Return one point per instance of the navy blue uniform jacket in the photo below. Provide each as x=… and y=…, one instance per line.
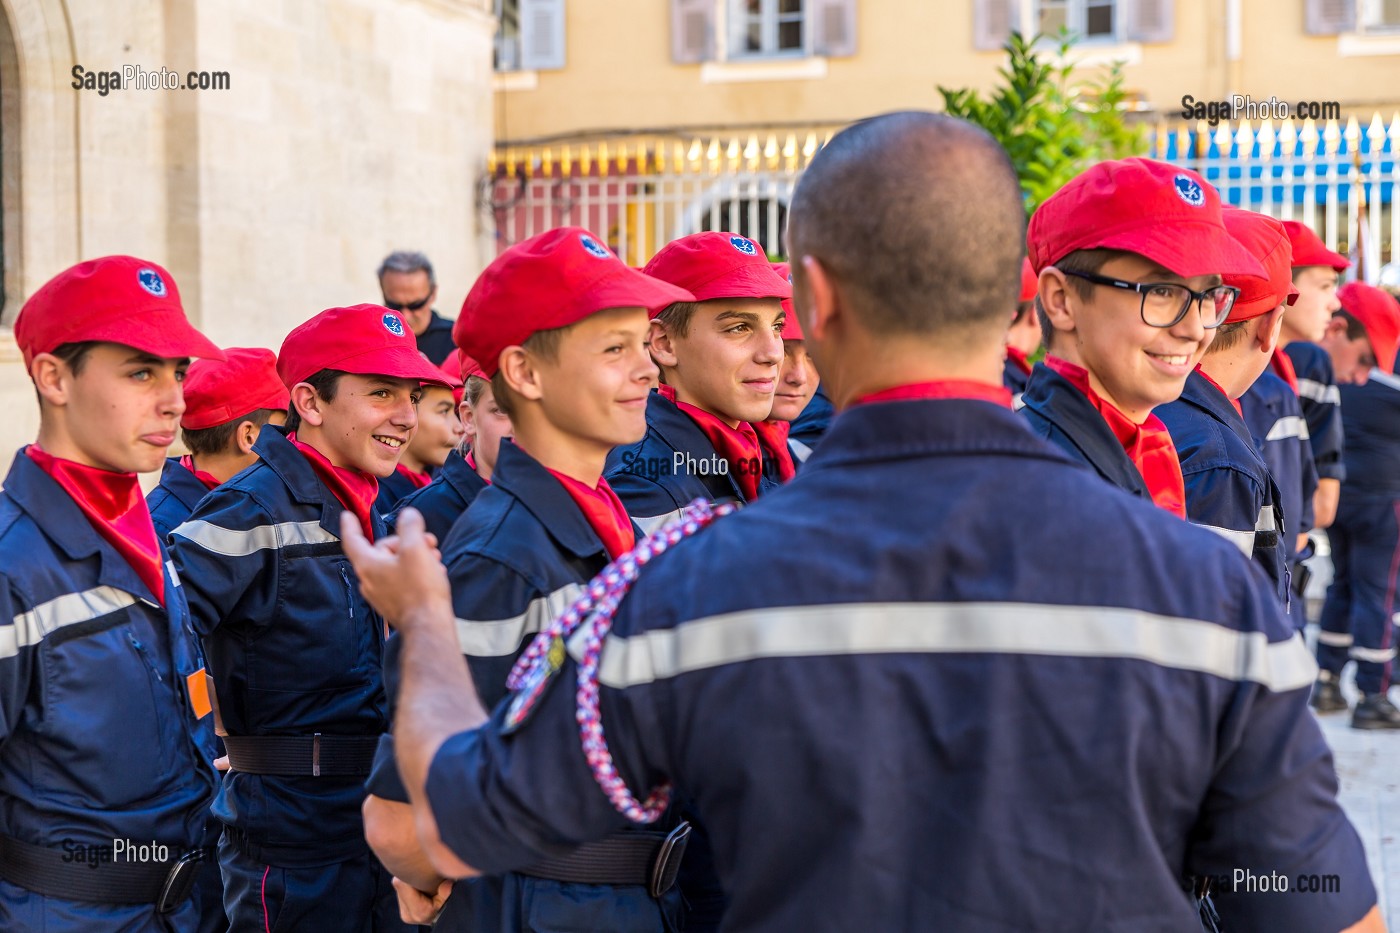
x=445, y=499
x=98, y=737
x=927, y=689
x=1280, y=433
x=1321, y=403
x=174, y=497
x=293, y=647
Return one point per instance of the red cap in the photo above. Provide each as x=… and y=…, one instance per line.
x=218, y=392
x=718, y=265
x=551, y=280
x=1030, y=282
x=1267, y=242
x=1165, y=213
x=792, y=330
x=1379, y=314
x=1309, y=250
x=369, y=340
x=115, y=299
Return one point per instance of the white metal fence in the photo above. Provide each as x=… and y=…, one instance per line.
x=641, y=193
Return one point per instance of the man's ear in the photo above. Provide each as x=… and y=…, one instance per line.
x=52, y=378
x=520, y=373
x=245, y=435
x=1059, y=306
x=661, y=345
x=308, y=404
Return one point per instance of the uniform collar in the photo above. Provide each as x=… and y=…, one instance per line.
x=177, y=480
x=521, y=476
x=295, y=472
x=458, y=474
x=1203, y=394
x=438, y=322
x=1054, y=398
x=55, y=513
x=681, y=433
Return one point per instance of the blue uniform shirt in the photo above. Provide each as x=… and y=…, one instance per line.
x=1057, y=411
x=1014, y=377
x=393, y=489
x=674, y=464
x=174, y=497
x=443, y=500
x=98, y=736
x=1317, y=394
x=1371, y=413
x=926, y=689
x=293, y=647
x=813, y=422
x=1280, y=433
x=1228, y=487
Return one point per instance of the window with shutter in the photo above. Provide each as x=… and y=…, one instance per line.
x=766, y=28
x=541, y=34
x=693, y=31
x=1091, y=20
x=992, y=23
x=833, y=27
x=1329, y=17
x=1150, y=20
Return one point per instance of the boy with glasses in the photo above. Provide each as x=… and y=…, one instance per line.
x=1130, y=256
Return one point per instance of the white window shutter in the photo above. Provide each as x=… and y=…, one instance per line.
x=832, y=25
x=541, y=34
x=993, y=22
x=1329, y=17
x=692, y=31
x=1148, y=20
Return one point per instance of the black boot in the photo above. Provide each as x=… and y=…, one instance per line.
x=1375, y=711
x=1327, y=694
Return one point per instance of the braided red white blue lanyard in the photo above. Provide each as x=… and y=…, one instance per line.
x=594, y=610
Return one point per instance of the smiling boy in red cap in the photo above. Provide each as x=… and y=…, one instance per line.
x=1130, y=256
x=1023, y=336
x=559, y=325
x=296, y=653
x=105, y=732
x=1357, y=618
x=797, y=383
x=719, y=357
x=226, y=404
x=1228, y=487
x=438, y=433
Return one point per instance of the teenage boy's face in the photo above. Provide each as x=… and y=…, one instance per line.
x=597, y=386
x=727, y=363
x=1307, y=318
x=1352, y=360
x=1135, y=366
x=368, y=423
x=121, y=412
x=485, y=425
x=797, y=382
x=439, y=428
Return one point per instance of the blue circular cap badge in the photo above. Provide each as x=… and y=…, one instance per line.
x=152, y=282
x=1190, y=190
x=393, y=325
x=594, y=247
x=742, y=245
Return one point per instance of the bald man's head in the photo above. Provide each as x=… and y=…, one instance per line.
x=919, y=219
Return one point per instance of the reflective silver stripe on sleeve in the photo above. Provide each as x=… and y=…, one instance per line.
x=965, y=628
x=1319, y=392
x=170, y=569
x=1374, y=655
x=1335, y=639
x=1266, y=520
x=648, y=525
x=1288, y=426
x=1385, y=378
x=32, y=627
x=500, y=637
x=1244, y=540
x=799, y=450
x=240, y=542
x=1018, y=401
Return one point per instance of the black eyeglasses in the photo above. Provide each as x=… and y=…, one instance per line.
x=408, y=306
x=1164, y=304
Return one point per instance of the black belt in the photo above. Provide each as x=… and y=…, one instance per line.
x=646, y=858
x=302, y=755
x=95, y=874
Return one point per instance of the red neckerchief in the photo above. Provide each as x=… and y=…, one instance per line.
x=1282, y=365
x=1149, y=445
x=471, y=462
x=1018, y=356
x=941, y=388
x=117, y=511
x=739, y=446
x=773, y=438
x=355, y=490
x=604, y=511
x=206, y=478
x=1235, y=402
x=419, y=480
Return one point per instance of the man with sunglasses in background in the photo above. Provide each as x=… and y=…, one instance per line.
x=409, y=287
x=1130, y=256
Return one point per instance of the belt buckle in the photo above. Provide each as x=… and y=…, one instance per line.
x=180, y=882
x=668, y=860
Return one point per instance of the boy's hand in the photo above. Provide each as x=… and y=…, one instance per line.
x=419, y=907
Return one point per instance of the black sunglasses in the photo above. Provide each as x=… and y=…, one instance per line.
x=408, y=306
